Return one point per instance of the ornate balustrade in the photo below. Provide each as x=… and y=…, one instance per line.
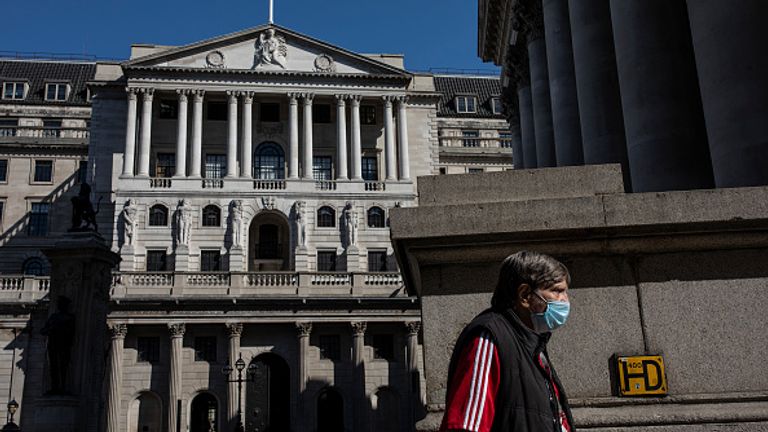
x=44, y=132
x=23, y=288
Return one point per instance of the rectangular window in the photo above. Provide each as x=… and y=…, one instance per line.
x=326, y=261
x=215, y=165
x=496, y=105
x=322, y=167
x=168, y=109
x=52, y=128
x=82, y=171
x=270, y=112
x=3, y=170
x=368, y=114
x=156, y=260
x=377, y=261
x=383, y=347
x=13, y=90
x=321, y=113
x=205, y=349
x=370, y=168
x=148, y=349
x=470, y=138
x=505, y=139
x=8, y=127
x=38, y=220
x=56, y=92
x=217, y=111
x=43, y=171
x=330, y=347
x=165, y=165
x=466, y=104
x=210, y=260
x=475, y=170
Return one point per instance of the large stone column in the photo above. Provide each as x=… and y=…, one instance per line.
x=234, y=331
x=729, y=41
x=303, y=330
x=130, y=135
x=360, y=398
x=307, y=168
x=341, y=137
x=246, y=143
x=145, y=142
x=520, y=73
x=389, y=139
x=412, y=363
x=356, y=156
x=664, y=124
x=174, y=380
x=293, y=128
x=562, y=83
x=232, y=134
x=197, y=135
x=118, y=332
x=402, y=137
x=597, y=85
x=181, y=135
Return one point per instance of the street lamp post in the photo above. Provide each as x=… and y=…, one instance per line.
x=11, y=426
x=239, y=366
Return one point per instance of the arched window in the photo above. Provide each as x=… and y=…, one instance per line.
x=269, y=162
x=326, y=217
x=33, y=267
x=204, y=415
x=158, y=215
x=330, y=411
x=211, y=216
x=376, y=217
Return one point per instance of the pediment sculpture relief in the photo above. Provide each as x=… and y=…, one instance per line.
x=270, y=50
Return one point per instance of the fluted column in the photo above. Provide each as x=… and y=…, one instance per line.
x=308, y=135
x=518, y=62
x=130, y=135
x=562, y=83
x=303, y=330
x=246, y=145
x=234, y=331
x=358, y=347
x=412, y=363
x=181, y=135
x=197, y=135
x=174, y=391
x=402, y=138
x=118, y=332
x=293, y=150
x=389, y=139
x=357, y=172
x=341, y=137
x=146, y=131
x=232, y=134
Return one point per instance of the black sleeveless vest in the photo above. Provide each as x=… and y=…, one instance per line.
x=525, y=400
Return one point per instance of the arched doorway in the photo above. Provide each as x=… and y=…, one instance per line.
x=145, y=413
x=330, y=411
x=204, y=413
x=387, y=417
x=269, y=237
x=268, y=399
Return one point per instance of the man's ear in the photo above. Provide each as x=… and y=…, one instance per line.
x=523, y=293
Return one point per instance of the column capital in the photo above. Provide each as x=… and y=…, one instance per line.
x=234, y=329
x=359, y=327
x=198, y=95
x=233, y=94
x=147, y=92
x=293, y=96
x=307, y=98
x=341, y=98
x=355, y=99
x=403, y=99
x=388, y=100
x=177, y=329
x=118, y=330
x=413, y=327
x=247, y=96
x=183, y=94
x=303, y=329
x=529, y=19
x=131, y=91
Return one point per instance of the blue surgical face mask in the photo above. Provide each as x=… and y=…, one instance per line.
x=553, y=316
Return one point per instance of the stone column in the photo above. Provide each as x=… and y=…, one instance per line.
x=412, y=363
x=232, y=134
x=663, y=119
x=518, y=59
x=341, y=137
x=562, y=83
x=174, y=390
x=118, y=332
x=234, y=331
x=307, y=168
x=729, y=43
x=303, y=330
x=181, y=135
x=389, y=139
x=360, y=398
x=246, y=145
x=356, y=152
x=293, y=151
x=145, y=142
x=597, y=85
x=402, y=138
x=130, y=135
x=197, y=135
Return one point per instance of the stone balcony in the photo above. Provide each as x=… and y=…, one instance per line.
x=43, y=135
x=277, y=186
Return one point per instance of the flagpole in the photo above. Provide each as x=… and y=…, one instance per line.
x=271, y=13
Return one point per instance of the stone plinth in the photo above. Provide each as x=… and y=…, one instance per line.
x=182, y=258
x=237, y=259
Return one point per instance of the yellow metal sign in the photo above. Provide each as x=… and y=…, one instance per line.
x=641, y=375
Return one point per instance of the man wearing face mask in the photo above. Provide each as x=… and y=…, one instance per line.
x=500, y=375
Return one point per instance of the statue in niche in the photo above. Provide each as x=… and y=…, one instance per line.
x=183, y=223
x=301, y=224
x=237, y=223
x=270, y=50
x=350, y=222
x=129, y=223
x=60, y=330
x=83, y=214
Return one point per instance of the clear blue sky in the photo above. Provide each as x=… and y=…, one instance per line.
x=431, y=33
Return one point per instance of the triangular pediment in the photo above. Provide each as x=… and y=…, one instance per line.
x=267, y=48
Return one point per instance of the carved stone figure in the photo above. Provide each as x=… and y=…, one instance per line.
x=129, y=223
x=82, y=210
x=183, y=223
x=301, y=224
x=268, y=202
x=271, y=50
x=350, y=222
x=60, y=330
x=237, y=223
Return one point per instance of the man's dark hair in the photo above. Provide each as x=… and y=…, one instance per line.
x=537, y=270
